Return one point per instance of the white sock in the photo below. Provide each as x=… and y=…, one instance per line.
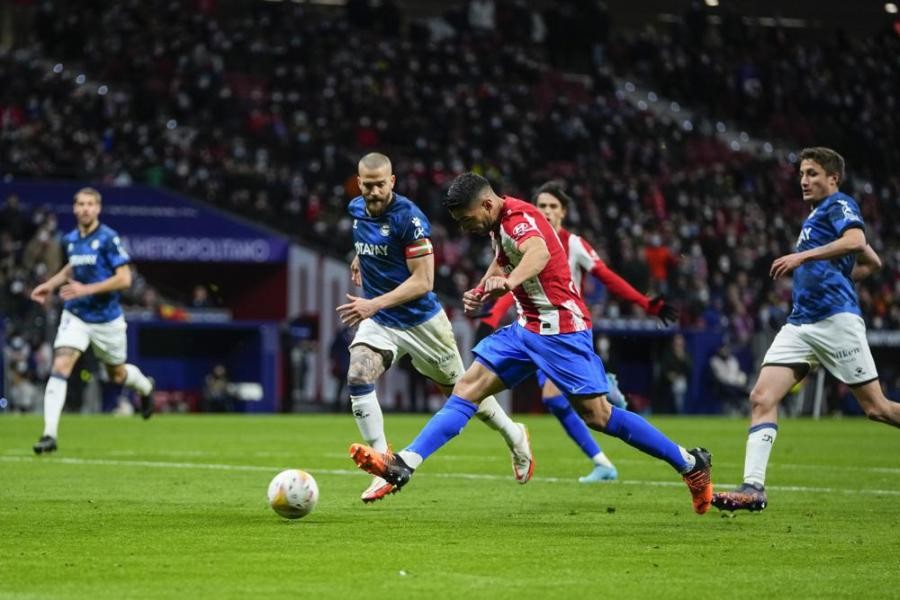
x=496, y=418
x=369, y=419
x=54, y=400
x=412, y=459
x=759, y=447
x=137, y=381
x=691, y=461
x=602, y=460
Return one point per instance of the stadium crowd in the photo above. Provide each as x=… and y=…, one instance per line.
x=264, y=111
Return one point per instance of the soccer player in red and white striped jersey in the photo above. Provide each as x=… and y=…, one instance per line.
x=553, y=202
x=553, y=334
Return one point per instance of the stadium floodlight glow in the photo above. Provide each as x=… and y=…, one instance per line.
x=712, y=3
x=891, y=8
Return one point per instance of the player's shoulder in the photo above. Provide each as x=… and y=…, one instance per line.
x=107, y=232
x=71, y=236
x=843, y=198
x=404, y=209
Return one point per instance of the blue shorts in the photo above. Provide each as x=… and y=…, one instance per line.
x=513, y=353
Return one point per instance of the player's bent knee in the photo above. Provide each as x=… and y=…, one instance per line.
x=762, y=398
x=117, y=374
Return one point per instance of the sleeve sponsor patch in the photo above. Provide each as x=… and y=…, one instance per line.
x=421, y=247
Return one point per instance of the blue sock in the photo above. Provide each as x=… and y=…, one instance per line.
x=445, y=425
x=573, y=424
x=635, y=431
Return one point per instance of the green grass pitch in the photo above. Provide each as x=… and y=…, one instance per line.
x=175, y=508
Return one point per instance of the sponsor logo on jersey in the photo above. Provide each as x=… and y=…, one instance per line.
x=804, y=236
x=80, y=260
x=364, y=249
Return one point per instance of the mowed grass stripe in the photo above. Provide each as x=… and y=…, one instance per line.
x=466, y=476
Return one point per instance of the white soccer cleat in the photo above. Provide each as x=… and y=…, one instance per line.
x=378, y=489
x=522, y=457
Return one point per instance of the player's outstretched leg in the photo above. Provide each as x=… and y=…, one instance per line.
x=575, y=427
x=398, y=469
x=695, y=465
x=514, y=434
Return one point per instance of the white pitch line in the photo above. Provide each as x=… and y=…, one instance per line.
x=469, y=476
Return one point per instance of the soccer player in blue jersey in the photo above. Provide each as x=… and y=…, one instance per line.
x=96, y=270
x=401, y=315
x=824, y=328
x=553, y=334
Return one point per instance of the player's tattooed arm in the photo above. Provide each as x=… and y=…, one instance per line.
x=367, y=364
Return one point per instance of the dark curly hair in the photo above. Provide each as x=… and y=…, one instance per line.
x=464, y=190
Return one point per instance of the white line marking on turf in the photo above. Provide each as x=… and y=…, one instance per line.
x=471, y=476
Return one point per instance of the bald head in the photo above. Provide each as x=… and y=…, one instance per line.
x=375, y=161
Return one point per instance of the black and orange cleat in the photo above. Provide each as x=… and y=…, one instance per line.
x=746, y=497
x=699, y=481
x=386, y=465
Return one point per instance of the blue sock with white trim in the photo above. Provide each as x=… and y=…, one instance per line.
x=445, y=425
x=636, y=431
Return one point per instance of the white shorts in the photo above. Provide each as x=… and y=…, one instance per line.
x=431, y=346
x=838, y=343
x=108, y=339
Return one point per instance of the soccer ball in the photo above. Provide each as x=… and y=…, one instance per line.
x=293, y=493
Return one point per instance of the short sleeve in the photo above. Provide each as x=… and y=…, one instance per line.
x=415, y=234
x=844, y=214
x=115, y=252
x=520, y=226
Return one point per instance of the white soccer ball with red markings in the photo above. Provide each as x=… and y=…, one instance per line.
x=293, y=493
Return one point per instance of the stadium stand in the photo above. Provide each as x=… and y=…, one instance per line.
x=263, y=111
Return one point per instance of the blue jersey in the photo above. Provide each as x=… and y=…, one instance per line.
x=383, y=245
x=823, y=287
x=95, y=258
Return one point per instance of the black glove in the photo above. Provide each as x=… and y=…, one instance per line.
x=666, y=312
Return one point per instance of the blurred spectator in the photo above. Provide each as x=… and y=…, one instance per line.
x=339, y=354
x=216, y=395
x=674, y=374
x=23, y=394
x=730, y=382
x=200, y=297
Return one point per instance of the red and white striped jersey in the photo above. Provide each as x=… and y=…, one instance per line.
x=548, y=303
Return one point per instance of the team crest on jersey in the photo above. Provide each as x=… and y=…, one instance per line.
x=70, y=248
x=95, y=244
x=355, y=223
x=385, y=230
x=520, y=229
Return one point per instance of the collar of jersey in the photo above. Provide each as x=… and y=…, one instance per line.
x=90, y=235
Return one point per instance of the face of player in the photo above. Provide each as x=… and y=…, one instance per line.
x=377, y=186
x=87, y=210
x=474, y=219
x=814, y=183
x=552, y=208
